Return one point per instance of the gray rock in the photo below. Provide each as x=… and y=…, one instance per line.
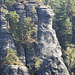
x=6, y=39
x=20, y=9
x=3, y=24
x=19, y=6
x=15, y=70
x=21, y=54
x=49, y=50
x=30, y=12
x=31, y=57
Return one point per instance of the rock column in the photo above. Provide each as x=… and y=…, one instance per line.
x=49, y=50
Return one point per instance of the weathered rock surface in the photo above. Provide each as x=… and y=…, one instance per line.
x=21, y=54
x=31, y=11
x=20, y=9
x=15, y=70
x=4, y=12
x=49, y=50
x=6, y=39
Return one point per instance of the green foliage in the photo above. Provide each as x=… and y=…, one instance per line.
x=31, y=70
x=37, y=63
x=67, y=27
x=37, y=66
x=33, y=10
x=69, y=56
x=71, y=8
x=7, y=1
x=13, y=17
x=66, y=32
x=38, y=1
x=62, y=22
x=26, y=29
x=11, y=58
x=3, y=10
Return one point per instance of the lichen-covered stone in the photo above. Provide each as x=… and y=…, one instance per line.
x=49, y=50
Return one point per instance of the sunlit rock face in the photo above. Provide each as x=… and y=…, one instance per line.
x=49, y=50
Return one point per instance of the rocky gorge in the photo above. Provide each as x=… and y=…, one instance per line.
x=48, y=48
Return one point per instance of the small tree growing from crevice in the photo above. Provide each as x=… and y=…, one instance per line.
x=11, y=58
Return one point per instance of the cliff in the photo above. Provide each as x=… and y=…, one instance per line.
x=7, y=42
x=46, y=53
x=49, y=50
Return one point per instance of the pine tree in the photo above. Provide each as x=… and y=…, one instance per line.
x=66, y=32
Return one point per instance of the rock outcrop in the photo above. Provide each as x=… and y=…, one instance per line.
x=49, y=50
x=20, y=9
x=15, y=70
x=31, y=11
x=6, y=39
x=21, y=54
x=26, y=10
x=7, y=42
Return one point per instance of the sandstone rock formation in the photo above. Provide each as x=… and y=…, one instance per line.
x=21, y=54
x=31, y=11
x=15, y=70
x=20, y=9
x=49, y=50
x=7, y=42
x=6, y=39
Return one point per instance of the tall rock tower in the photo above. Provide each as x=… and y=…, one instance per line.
x=49, y=50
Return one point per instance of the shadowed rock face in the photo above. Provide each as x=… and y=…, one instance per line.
x=6, y=39
x=19, y=8
x=6, y=42
x=49, y=50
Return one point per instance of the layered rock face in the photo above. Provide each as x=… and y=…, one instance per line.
x=7, y=42
x=31, y=11
x=26, y=10
x=20, y=9
x=49, y=50
x=6, y=39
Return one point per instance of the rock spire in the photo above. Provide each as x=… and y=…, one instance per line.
x=49, y=50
